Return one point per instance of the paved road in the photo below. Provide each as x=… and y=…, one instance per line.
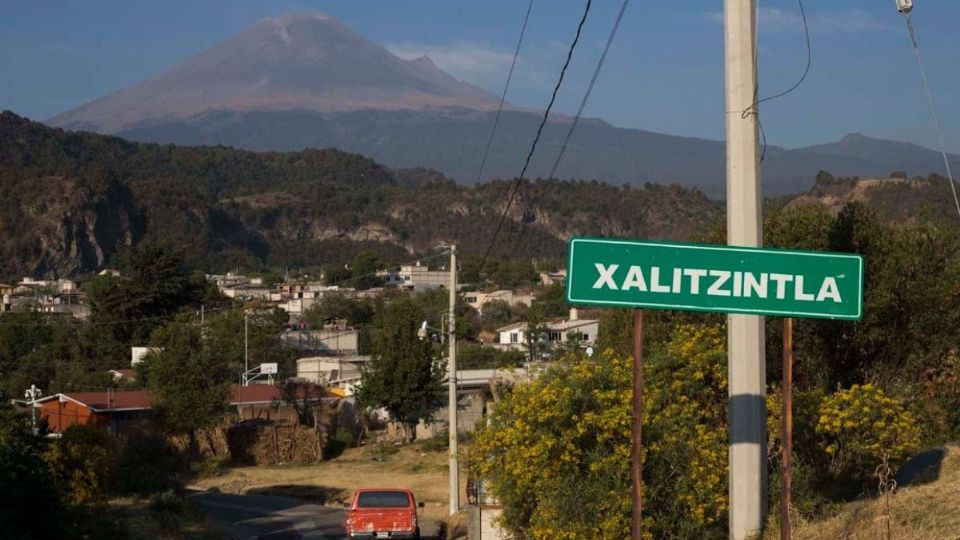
x=258, y=517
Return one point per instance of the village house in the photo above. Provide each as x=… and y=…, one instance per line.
x=338, y=373
x=334, y=338
x=61, y=296
x=551, y=278
x=416, y=277
x=119, y=410
x=28, y=285
x=476, y=391
x=477, y=300
x=514, y=336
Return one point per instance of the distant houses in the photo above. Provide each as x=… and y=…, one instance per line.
x=57, y=296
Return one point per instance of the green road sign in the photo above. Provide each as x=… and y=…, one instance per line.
x=692, y=277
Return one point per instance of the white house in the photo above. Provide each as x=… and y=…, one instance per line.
x=477, y=300
x=416, y=276
x=514, y=336
x=333, y=372
x=549, y=278
x=138, y=353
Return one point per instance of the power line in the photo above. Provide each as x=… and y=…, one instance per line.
x=753, y=109
x=908, y=17
x=586, y=95
x=503, y=96
x=536, y=139
x=806, y=69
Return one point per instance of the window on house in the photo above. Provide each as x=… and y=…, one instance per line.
x=514, y=337
x=554, y=336
x=585, y=337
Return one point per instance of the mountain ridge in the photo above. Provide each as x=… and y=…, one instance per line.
x=307, y=81
x=309, y=61
x=72, y=202
x=447, y=140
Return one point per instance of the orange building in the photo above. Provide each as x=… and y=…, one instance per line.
x=93, y=408
x=114, y=410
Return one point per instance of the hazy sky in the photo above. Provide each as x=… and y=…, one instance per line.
x=664, y=73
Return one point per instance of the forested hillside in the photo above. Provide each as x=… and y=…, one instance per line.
x=72, y=202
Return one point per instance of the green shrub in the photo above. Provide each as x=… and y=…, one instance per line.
x=384, y=450
x=147, y=464
x=31, y=505
x=861, y=427
x=170, y=510
x=205, y=468
x=83, y=461
x=341, y=439
x=169, y=502
x=440, y=442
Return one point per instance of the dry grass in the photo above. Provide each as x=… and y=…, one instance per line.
x=922, y=512
x=333, y=482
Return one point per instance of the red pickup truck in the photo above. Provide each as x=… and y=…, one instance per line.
x=383, y=513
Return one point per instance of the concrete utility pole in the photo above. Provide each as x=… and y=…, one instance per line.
x=452, y=377
x=745, y=360
x=246, y=345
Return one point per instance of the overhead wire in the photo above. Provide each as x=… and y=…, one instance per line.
x=536, y=139
x=586, y=95
x=908, y=17
x=754, y=109
x=496, y=120
x=573, y=125
x=503, y=95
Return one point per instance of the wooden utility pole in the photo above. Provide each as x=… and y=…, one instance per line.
x=637, y=453
x=745, y=356
x=786, y=440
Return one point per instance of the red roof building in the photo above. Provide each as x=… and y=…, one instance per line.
x=113, y=409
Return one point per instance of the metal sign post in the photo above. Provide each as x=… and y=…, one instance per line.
x=786, y=440
x=637, y=451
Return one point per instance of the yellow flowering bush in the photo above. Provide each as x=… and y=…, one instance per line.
x=862, y=425
x=82, y=461
x=556, y=450
x=686, y=465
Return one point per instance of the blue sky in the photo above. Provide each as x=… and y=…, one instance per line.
x=664, y=73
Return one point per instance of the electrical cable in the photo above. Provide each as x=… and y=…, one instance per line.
x=586, y=95
x=806, y=69
x=536, y=139
x=753, y=109
x=503, y=96
x=908, y=17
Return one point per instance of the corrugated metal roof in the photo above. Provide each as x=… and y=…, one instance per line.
x=140, y=399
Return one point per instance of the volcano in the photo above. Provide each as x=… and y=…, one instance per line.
x=307, y=81
x=293, y=62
